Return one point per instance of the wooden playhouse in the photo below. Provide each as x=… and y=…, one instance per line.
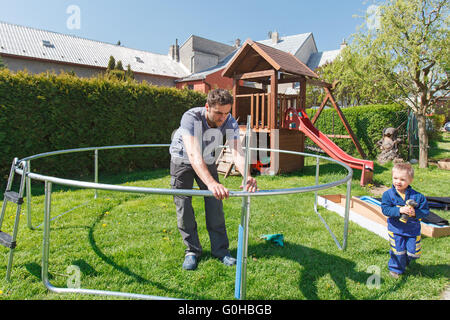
x=258, y=72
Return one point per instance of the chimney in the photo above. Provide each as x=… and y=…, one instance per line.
x=237, y=43
x=343, y=44
x=174, y=51
x=275, y=37
x=177, y=51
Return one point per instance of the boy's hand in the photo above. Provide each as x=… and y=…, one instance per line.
x=411, y=212
x=408, y=210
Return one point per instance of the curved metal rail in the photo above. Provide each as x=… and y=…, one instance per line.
x=23, y=167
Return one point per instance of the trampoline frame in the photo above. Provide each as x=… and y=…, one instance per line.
x=23, y=166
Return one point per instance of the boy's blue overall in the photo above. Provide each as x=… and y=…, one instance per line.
x=404, y=237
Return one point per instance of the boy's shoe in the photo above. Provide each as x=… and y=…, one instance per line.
x=394, y=275
x=228, y=261
x=190, y=262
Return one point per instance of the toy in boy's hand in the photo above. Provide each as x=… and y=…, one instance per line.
x=410, y=203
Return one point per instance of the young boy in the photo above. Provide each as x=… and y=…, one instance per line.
x=404, y=219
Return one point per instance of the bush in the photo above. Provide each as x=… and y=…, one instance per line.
x=367, y=122
x=48, y=112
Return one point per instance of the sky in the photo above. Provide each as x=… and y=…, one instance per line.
x=153, y=25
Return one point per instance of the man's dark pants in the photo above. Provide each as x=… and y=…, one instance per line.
x=182, y=177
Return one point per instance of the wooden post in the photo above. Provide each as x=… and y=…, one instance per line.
x=319, y=111
x=235, y=85
x=273, y=99
x=346, y=125
x=274, y=132
x=303, y=94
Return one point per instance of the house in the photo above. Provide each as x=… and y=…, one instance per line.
x=302, y=46
x=197, y=64
x=41, y=51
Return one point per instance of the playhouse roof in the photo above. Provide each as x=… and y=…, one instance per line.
x=260, y=57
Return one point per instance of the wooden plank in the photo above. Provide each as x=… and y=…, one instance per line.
x=253, y=75
x=252, y=116
x=319, y=83
x=262, y=109
x=257, y=109
x=227, y=172
x=338, y=136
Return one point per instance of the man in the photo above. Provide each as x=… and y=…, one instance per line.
x=192, y=158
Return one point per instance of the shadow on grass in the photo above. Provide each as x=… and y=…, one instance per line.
x=127, y=271
x=316, y=264
x=414, y=270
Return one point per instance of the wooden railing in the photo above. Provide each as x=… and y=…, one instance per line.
x=258, y=105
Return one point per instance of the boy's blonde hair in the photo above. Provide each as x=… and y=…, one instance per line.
x=404, y=167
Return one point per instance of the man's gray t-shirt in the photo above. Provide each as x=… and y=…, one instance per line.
x=194, y=123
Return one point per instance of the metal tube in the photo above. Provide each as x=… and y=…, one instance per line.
x=48, y=180
x=96, y=171
x=16, y=227
x=245, y=215
x=317, y=183
x=347, y=213
x=182, y=192
x=46, y=255
x=28, y=191
x=46, y=236
x=245, y=251
x=54, y=289
x=8, y=187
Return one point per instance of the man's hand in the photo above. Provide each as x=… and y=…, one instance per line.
x=218, y=190
x=251, y=185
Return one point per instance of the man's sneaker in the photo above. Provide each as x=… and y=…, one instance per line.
x=190, y=262
x=228, y=261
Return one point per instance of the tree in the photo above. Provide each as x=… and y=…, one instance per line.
x=111, y=63
x=406, y=52
x=119, y=66
x=359, y=84
x=129, y=74
x=2, y=64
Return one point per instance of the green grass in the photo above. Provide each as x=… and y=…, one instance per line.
x=130, y=243
x=440, y=148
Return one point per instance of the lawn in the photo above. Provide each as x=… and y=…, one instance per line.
x=130, y=243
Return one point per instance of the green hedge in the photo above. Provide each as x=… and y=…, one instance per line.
x=48, y=112
x=367, y=122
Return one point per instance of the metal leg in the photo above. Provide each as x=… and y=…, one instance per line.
x=241, y=268
x=46, y=254
x=8, y=187
x=347, y=211
x=15, y=229
x=96, y=171
x=28, y=191
x=46, y=237
x=245, y=250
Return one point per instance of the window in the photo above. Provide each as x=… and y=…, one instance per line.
x=47, y=44
x=138, y=59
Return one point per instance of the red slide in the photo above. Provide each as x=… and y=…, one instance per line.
x=300, y=121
